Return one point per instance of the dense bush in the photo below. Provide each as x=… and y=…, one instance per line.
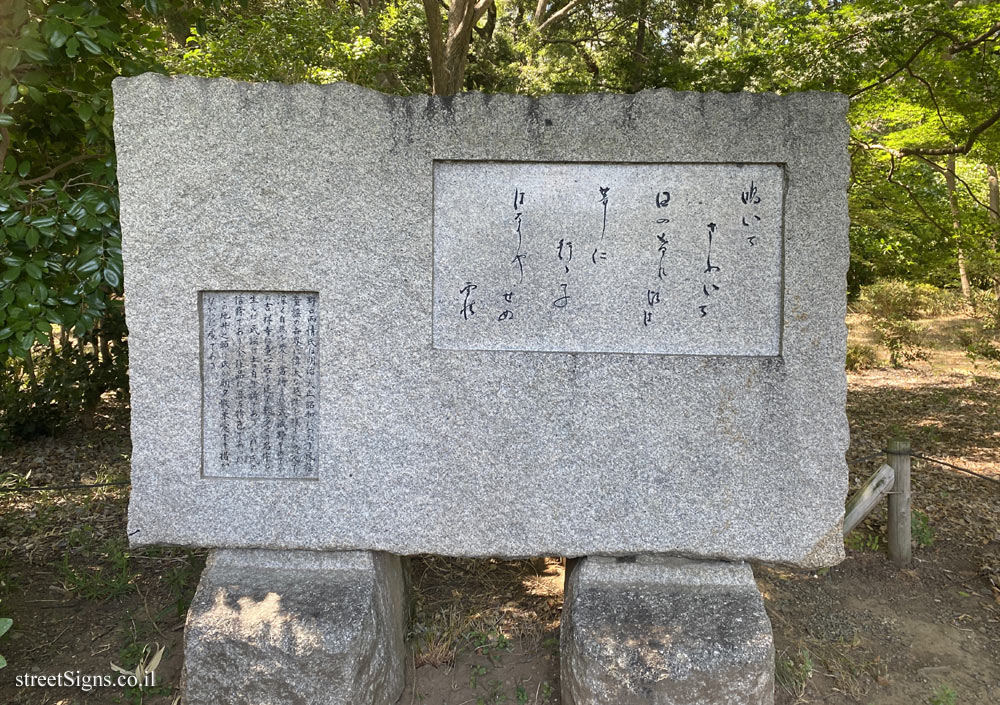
x=861, y=357
x=891, y=299
x=933, y=302
x=980, y=347
x=62, y=326
x=892, y=305
x=986, y=304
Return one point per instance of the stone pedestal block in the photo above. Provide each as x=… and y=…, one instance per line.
x=665, y=631
x=296, y=627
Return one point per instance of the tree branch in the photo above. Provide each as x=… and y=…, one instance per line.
x=916, y=201
x=893, y=154
x=957, y=148
x=923, y=45
x=57, y=168
x=985, y=36
x=941, y=170
x=539, y=11
x=460, y=21
x=482, y=7
x=4, y=144
x=930, y=92
x=558, y=15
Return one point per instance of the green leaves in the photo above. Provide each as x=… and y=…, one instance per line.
x=60, y=243
x=56, y=32
x=88, y=43
x=112, y=276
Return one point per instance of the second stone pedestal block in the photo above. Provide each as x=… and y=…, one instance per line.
x=665, y=631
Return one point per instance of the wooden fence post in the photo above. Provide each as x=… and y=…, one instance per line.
x=898, y=526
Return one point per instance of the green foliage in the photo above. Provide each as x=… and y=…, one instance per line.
x=794, y=672
x=490, y=644
x=476, y=671
x=944, y=694
x=920, y=528
x=980, y=347
x=311, y=41
x=986, y=304
x=861, y=357
x=922, y=75
x=902, y=339
x=60, y=242
x=891, y=305
x=934, y=302
x=5, y=624
x=863, y=541
x=891, y=299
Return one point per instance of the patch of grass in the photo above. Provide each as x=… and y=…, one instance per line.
x=182, y=580
x=863, y=540
x=920, y=528
x=479, y=604
x=944, y=694
x=490, y=644
x=146, y=659
x=106, y=575
x=793, y=672
x=436, y=636
x=476, y=671
x=853, y=668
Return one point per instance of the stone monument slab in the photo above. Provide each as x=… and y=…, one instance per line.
x=686, y=396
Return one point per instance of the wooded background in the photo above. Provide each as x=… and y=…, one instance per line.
x=923, y=77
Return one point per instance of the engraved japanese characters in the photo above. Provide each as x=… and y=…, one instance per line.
x=641, y=258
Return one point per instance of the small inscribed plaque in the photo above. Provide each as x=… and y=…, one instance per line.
x=682, y=259
x=260, y=384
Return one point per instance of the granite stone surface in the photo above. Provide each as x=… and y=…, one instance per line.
x=661, y=631
x=296, y=628
x=716, y=436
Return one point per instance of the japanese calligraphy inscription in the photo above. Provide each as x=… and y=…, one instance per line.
x=260, y=382
x=682, y=259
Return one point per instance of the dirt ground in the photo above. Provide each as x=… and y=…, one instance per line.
x=486, y=631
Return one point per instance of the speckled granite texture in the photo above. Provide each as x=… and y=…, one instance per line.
x=296, y=628
x=665, y=631
x=229, y=186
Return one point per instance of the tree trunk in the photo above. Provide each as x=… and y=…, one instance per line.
x=639, y=49
x=449, y=49
x=963, y=275
x=994, y=186
x=29, y=369
x=105, y=348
